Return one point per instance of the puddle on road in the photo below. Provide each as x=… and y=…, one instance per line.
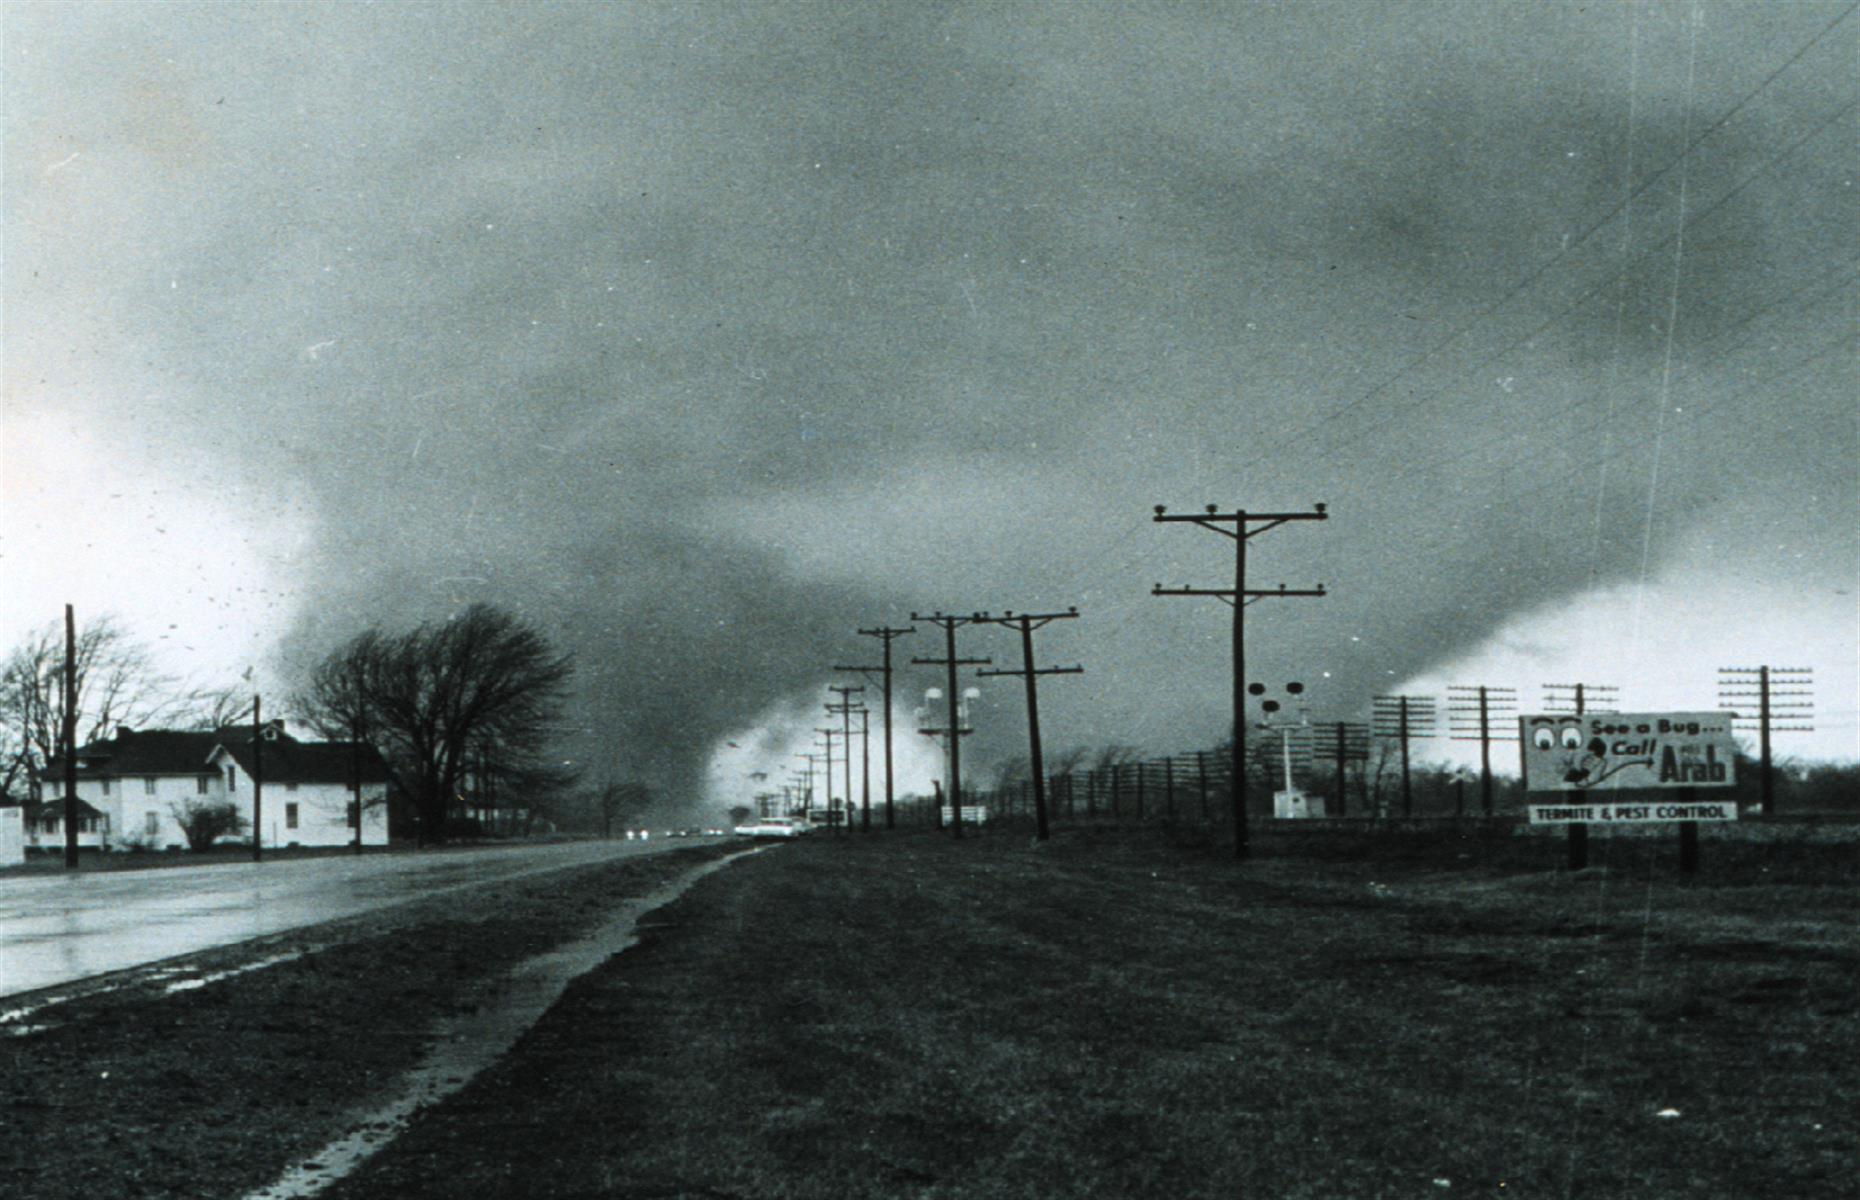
x=188, y=985
x=470, y=1042
x=13, y=1021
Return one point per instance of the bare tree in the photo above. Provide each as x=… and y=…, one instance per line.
x=117, y=684
x=1011, y=772
x=482, y=692
x=1067, y=761
x=1384, y=757
x=622, y=800
x=1114, y=754
x=215, y=708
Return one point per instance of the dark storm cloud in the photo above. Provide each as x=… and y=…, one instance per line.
x=707, y=334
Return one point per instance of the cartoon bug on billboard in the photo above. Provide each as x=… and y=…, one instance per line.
x=1611, y=751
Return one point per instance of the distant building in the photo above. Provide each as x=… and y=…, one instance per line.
x=131, y=787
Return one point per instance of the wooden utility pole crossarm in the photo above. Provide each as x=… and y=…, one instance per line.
x=1027, y=623
x=1241, y=526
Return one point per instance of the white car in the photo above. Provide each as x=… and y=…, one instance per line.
x=773, y=827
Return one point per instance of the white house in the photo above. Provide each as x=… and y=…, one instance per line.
x=309, y=796
x=132, y=788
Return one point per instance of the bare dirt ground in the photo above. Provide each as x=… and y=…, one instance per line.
x=1114, y=1014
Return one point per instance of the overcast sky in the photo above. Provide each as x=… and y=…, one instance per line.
x=705, y=334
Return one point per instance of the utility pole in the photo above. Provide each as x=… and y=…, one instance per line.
x=807, y=780
x=829, y=734
x=824, y=761
x=1238, y=597
x=1778, y=692
x=865, y=769
x=1027, y=623
x=1469, y=714
x=950, y=662
x=355, y=776
x=882, y=673
x=69, y=737
x=258, y=783
x=845, y=709
x=1578, y=698
x=886, y=635
x=1404, y=718
x=1351, y=744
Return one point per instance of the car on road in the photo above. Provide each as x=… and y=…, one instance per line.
x=773, y=827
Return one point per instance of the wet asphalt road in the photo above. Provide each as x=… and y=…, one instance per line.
x=61, y=928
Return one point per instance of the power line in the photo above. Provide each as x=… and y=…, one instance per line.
x=1542, y=269
x=1549, y=417
x=1614, y=275
x=1699, y=413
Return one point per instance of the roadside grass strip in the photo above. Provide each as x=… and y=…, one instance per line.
x=903, y=1016
x=465, y=1043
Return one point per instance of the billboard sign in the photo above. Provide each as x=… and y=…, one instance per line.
x=1603, y=752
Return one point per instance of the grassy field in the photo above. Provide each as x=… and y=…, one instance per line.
x=1117, y=1014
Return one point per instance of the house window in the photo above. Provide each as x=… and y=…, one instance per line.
x=201, y=784
x=290, y=815
x=51, y=824
x=232, y=778
x=148, y=785
x=106, y=786
x=151, y=823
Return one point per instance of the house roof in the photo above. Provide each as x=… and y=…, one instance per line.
x=56, y=808
x=190, y=752
x=287, y=760
x=143, y=752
